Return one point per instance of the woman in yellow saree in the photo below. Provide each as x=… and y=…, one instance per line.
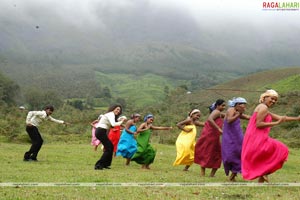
x=185, y=143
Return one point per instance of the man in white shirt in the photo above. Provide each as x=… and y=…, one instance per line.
x=33, y=119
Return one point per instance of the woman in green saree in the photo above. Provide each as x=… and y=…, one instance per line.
x=145, y=153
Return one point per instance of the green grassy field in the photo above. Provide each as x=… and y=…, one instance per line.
x=142, y=90
x=67, y=172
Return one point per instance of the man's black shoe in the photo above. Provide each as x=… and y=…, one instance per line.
x=98, y=167
x=30, y=160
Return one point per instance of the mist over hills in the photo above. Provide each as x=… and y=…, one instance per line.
x=140, y=37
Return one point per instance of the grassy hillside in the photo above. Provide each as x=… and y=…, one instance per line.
x=288, y=84
x=170, y=110
x=149, y=89
x=80, y=81
x=140, y=90
x=283, y=80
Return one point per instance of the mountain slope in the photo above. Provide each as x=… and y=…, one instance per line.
x=285, y=81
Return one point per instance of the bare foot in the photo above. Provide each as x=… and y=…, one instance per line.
x=232, y=177
x=263, y=179
x=186, y=168
x=266, y=178
x=213, y=172
x=202, y=172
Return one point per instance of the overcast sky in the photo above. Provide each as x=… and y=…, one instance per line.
x=107, y=21
x=114, y=27
x=94, y=12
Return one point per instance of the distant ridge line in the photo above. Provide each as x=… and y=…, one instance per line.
x=238, y=90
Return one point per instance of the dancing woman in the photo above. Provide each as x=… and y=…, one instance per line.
x=261, y=154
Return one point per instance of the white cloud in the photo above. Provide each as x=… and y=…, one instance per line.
x=98, y=14
x=80, y=12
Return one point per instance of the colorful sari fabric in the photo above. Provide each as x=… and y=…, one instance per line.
x=185, y=146
x=114, y=136
x=127, y=145
x=232, y=140
x=261, y=154
x=95, y=141
x=145, y=153
x=208, y=147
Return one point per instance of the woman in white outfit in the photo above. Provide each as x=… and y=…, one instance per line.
x=107, y=121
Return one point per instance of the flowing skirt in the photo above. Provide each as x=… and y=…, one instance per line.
x=145, y=153
x=208, y=146
x=127, y=145
x=114, y=136
x=185, y=146
x=232, y=140
x=261, y=154
x=95, y=141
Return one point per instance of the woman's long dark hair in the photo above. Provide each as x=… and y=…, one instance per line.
x=112, y=107
x=215, y=105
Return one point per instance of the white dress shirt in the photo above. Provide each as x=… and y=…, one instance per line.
x=36, y=117
x=107, y=121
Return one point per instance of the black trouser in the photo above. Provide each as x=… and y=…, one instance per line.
x=36, y=140
x=106, y=158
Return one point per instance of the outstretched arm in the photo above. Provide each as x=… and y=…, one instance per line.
x=232, y=115
x=143, y=127
x=93, y=124
x=262, y=112
x=286, y=118
x=128, y=124
x=161, y=127
x=212, y=117
x=244, y=116
x=198, y=123
x=181, y=125
x=57, y=121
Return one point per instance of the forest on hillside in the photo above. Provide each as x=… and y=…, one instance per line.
x=173, y=108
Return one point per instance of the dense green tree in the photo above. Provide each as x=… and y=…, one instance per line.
x=9, y=90
x=122, y=102
x=37, y=99
x=90, y=101
x=78, y=104
x=166, y=90
x=185, y=87
x=106, y=92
